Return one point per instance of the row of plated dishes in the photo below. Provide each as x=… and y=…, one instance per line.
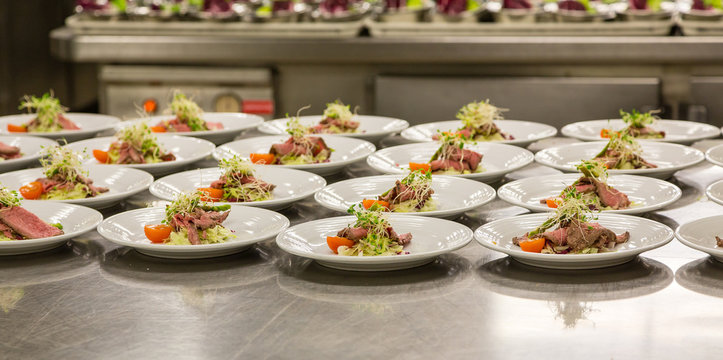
x=200, y=221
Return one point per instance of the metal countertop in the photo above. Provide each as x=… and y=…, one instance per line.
x=90, y=299
x=70, y=45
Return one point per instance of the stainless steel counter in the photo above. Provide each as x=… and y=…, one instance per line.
x=91, y=299
x=70, y=45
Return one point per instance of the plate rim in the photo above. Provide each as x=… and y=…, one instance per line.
x=271, y=202
x=184, y=248
x=572, y=258
x=161, y=165
x=374, y=260
x=708, y=192
x=257, y=121
x=219, y=152
x=566, y=131
x=88, y=201
x=485, y=174
x=710, y=158
x=678, y=193
x=403, y=125
x=112, y=121
x=13, y=245
x=711, y=251
x=701, y=157
x=434, y=213
x=510, y=142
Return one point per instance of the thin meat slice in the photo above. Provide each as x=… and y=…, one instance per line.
x=66, y=123
x=353, y=234
x=27, y=224
x=611, y=197
x=9, y=151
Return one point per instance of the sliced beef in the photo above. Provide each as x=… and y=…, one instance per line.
x=309, y=145
x=610, y=196
x=180, y=127
x=457, y=159
x=401, y=193
x=26, y=223
x=402, y=239
x=645, y=131
x=557, y=236
x=8, y=232
x=214, y=125
x=351, y=233
x=66, y=123
x=583, y=235
x=9, y=151
x=442, y=165
x=199, y=220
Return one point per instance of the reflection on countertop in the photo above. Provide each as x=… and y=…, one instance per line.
x=704, y=276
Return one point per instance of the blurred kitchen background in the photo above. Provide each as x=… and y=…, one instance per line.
x=545, y=61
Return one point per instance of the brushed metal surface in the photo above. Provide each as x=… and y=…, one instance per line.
x=555, y=101
x=68, y=45
x=91, y=300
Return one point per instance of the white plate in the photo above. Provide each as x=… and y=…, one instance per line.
x=187, y=150
x=668, y=157
x=250, y=225
x=233, y=125
x=90, y=125
x=371, y=128
x=453, y=195
x=715, y=155
x=525, y=132
x=291, y=185
x=122, y=183
x=497, y=160
x=677, y=131
x=645, y=193
x=645, y=235
x=76, y=220
x=714, y=192
x=346, y=151
x=700, y=235
x=30, y=149
x=430, y=237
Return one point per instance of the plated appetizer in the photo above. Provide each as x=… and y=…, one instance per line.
x=188, y=117
x=574, y=231
x=337, y=119
x=49, y=116
x=638, y=126
x=238, y=183
x=191, y=221
x=452, y=158
x=478, y=122
x=370, y=235
x=623, y=152
x=411, y=194
x=593, y=189
x=299, y=149
x=8, y=152
x=64, y=178
x=17, y=223
x=134, y=145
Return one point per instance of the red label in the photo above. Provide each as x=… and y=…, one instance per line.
x=257, y=106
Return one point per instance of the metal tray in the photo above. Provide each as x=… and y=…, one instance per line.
x=637, y=28
x=235, y=29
